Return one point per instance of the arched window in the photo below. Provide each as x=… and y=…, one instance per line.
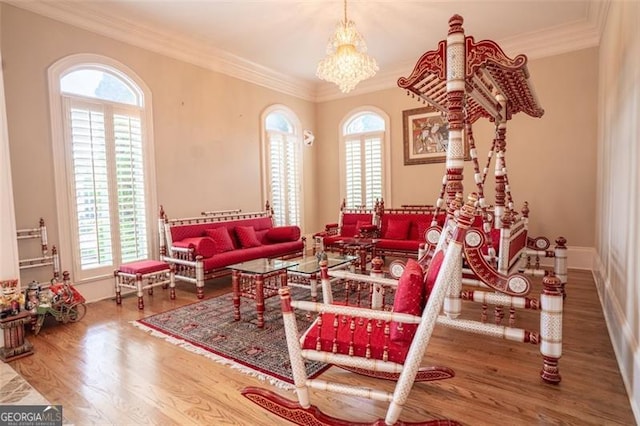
x=282, y=159
x=364, y=157
x=104, y=174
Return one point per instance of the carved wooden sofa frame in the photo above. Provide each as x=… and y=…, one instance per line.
x=192, y=267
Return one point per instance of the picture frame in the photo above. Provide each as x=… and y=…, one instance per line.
x=426, y=136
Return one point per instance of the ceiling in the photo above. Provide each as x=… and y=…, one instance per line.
x=278, y=43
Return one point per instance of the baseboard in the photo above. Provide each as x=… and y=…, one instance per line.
x=625, y=343
x=577, y=258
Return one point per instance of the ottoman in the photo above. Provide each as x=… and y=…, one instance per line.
x=144, y=274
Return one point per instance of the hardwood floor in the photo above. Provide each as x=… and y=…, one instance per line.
x=105, y=371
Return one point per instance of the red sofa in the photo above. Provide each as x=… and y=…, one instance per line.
x=203, y=247
x=398, y=232
x=352, y=222
x=402, y=230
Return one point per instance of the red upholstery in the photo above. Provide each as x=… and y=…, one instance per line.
x=392, y=227
x=418, y=229
x=519, y=243
x=280, y=234
x=180, y=232
x=143, y=267
x=350, y=222
x=221, y=238
x=397, y=350
x=409, y=299
x=222, y=260
x=403, y=245
x=432, y=272
x=332, y=239
x=397, y=230
x=418, y=222
x=362, y=224
x=203, y=246
x=247, y=236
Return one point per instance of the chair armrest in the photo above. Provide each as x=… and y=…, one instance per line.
x=358, y=312
x=178, y=261
x=182, y=253
x=331, y=229
x=182, y=249
x=352, y=276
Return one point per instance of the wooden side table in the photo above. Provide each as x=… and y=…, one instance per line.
x=15, y=344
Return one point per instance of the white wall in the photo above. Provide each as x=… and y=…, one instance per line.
x=617, y=269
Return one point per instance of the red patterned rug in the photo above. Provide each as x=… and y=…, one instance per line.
x=207, y=328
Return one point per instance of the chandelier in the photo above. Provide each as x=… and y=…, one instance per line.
x=347, y=62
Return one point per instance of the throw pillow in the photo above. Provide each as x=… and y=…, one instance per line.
x=409, y=299
x=203, y=246
x=281, y=234
x=432, y=272
x=397, y=229
x=247, y=236
x=221, y=238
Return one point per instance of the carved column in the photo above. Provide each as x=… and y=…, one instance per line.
x=456, y=64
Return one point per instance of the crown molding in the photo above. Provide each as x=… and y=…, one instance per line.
x=549, y=42
x=552, y=41
x=190, y=50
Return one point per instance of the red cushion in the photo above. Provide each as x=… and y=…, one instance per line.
x=203, y=246
x=247, y=236
x=280, y=234
x=350, y=222
x=143, y=267
x=362, y=224
x=221, y=238
x=402, y=245
x=432, y=272
x=409, y=299
x=375, y=343
x=397, y=229
x=421, y=228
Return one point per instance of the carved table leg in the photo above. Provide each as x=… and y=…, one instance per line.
x=235, y=283
x=260, y=299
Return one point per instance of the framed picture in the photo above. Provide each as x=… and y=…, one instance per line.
x=426, y=136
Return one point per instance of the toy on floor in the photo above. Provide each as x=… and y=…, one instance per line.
x=60, y=300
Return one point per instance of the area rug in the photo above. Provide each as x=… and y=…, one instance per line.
x=208, y=328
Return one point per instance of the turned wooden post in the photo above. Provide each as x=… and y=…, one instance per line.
x=551, y=304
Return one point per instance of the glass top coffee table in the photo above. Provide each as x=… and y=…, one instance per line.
x=363, y=248
x=306, y=272
x=259, y=280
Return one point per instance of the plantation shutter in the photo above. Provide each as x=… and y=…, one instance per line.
x=284, y=178
x=91, y=185
x=130, y=187
x=353, y=160
x=293, y=181
x=373, y=169
x=363, y=158
x=108, y=183
x=277, y=177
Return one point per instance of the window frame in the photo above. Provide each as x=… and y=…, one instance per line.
x=63, y=170
x=386, y=149
x=297, y=133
